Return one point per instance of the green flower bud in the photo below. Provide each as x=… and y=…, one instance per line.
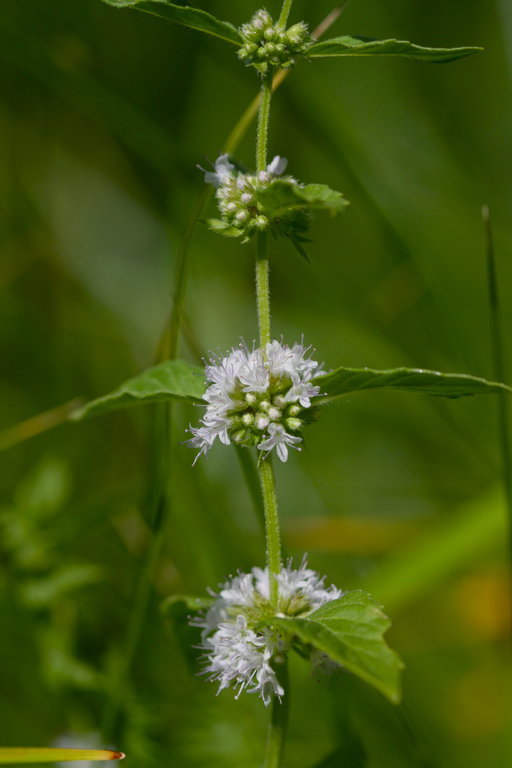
x=240, y=436
x=261, y=222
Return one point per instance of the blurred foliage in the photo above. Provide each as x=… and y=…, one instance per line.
x=104, y=115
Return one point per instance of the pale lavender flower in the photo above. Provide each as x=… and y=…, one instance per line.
x=280, y=440
x=258, y=398
x=239, y=653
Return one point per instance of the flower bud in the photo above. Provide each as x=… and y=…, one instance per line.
x=261, y=222
x=262, y=421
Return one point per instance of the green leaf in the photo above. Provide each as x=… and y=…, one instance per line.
x=356, y=45
x=223, y=228
x=284, y=195
x=344, y=380
x=350, y=631
x=185, y=15
x=171, y=380
x=13, y=755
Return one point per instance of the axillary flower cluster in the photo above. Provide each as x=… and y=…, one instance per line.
x=241, y=200
x=259, y=398
x=241, y=654
x=266, y=43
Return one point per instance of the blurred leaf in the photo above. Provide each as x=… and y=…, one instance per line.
x=171, y=380
x=59, y=664
x=45, y=490
x=450, y=545
x=283, y=195
x=343, y=380
x=12, y=755
x=356, y=45
x=184, y=14
x=350, y=632
x=43, y=592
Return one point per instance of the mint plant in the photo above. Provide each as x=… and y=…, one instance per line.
x=260, y=399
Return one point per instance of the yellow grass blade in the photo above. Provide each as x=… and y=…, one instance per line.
x=16, y=755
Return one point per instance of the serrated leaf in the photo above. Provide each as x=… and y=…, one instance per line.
x=17, y=755
x=183, y=14
x=356, y=45
x=343, y=380
x=171, y=380
x=283, y=196
x=223, y=228
x=350, y=631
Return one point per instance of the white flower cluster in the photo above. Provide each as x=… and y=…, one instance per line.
x=237, y=652
x=237, y=193
x=259, y=398
x=266, y=43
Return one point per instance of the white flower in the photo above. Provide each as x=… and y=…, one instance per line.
x=258, y=398
x=239, y=657
x=223, y=172
x=226, y=172
x=280, y=440
x=302, y=391
x=237, y=194
x=277, y=166
x=238, y=652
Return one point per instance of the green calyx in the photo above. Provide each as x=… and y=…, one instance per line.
x=267, y=45
x=261, y=609
x=255, y=411
x=264, y=202
x=244, y=212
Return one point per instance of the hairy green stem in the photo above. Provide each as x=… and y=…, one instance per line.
x=273, y=536
x=279, y=722
x=263, y=290
x=263, y=122
x=266, y=472
x=285, y=12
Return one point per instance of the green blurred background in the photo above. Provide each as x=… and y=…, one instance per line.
x=104, y=115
